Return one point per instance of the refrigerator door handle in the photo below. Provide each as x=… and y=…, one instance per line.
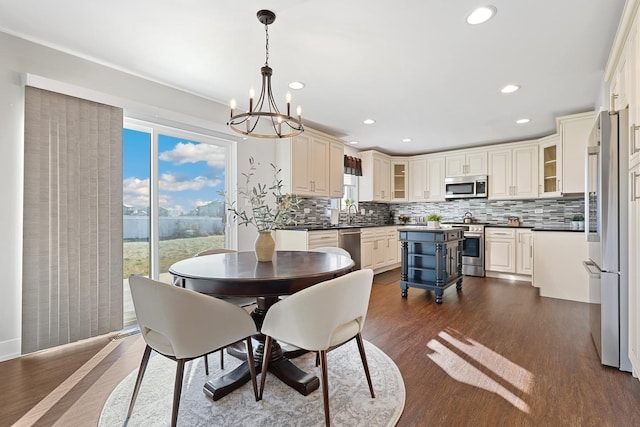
x=592, y=193
x=587, y=266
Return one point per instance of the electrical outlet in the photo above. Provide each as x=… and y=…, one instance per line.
x=307, y=210
x=370, y=211
x=538, y=211
x=362, y=211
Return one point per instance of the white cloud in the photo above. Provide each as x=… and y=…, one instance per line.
x=191, y=153
x=169, y=182
x=135, y=191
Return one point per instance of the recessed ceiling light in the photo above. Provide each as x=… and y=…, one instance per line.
x=510, y=88
x=406, y=140
x=522, y=121
x=353, y=142
x=296, y=85
x=369, y=121
x=481, y=14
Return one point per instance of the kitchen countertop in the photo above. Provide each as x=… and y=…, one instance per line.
x=415, y=227
x=421, y=226
x=537, y=227
x=335, y=227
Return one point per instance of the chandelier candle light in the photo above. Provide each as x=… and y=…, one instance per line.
x=269, y=123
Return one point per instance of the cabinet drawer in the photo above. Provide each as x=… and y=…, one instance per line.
x=452, y=235
x=505, y=233
x=318, y=239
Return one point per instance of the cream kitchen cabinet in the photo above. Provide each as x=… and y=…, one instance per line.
x=303, y=240
x=500, y=250
x=509, y=253
x=513, y=172
x=524, y=251
x=336, y=169
x=623, y=75
x=392, y=249
x=550, y=166
x=574, y=132
x=379, y=249
x=472, y=162
x=634, y=265
x=632, y=52
x=399, y=180
x=426, y=178
x=375, y=182
x=309, y=164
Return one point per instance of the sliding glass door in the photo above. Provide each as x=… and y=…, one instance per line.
x=172, y=208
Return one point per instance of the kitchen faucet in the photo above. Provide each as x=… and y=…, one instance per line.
x=349, y=217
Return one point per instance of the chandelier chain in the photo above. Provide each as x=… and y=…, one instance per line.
x=266, y=59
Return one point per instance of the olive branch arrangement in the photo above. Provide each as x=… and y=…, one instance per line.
x=260, y=200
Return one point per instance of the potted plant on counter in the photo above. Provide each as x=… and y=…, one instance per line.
x=577, y=222
x=433, y=220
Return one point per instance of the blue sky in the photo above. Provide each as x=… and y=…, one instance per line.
x=190, y=173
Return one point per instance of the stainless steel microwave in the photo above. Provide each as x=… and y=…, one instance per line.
x=465, y=187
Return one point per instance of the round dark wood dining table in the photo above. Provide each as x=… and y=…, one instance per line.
x=239, y=274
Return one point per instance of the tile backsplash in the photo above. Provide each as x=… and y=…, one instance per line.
x=538, y=212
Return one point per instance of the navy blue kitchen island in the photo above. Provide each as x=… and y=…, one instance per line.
x=431, y=259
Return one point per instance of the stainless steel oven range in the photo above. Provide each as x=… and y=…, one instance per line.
x=472, y=248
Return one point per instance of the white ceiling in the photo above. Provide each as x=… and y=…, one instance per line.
x=415, y=66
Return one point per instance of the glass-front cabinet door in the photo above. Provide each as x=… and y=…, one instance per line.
x=399, y=190
x=550, y=166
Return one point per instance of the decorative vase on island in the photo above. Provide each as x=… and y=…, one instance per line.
x=433, y=224
x=265, y=246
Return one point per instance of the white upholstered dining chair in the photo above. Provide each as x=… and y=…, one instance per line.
x=182, y=325
x=320, y=318
x=333, y=250
x=239, y=301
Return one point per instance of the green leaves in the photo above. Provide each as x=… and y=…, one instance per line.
x=268, y=207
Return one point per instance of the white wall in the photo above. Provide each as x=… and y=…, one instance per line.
x=140, y=98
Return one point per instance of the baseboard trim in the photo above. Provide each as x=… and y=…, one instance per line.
x=509, y=276
x=10, y=349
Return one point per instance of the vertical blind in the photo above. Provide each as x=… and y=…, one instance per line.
x=72, y=235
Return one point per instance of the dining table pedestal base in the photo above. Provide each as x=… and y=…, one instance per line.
x=281, y=367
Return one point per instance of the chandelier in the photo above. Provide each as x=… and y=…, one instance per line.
x=264, y=120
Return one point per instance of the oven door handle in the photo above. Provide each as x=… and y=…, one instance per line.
x=472, y=234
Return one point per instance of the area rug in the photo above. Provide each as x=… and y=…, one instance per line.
x=349, y=398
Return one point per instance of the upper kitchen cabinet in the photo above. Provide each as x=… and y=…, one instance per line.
x=375, y=182
x=550, y=166
x=513, y=172
x=632, y=96
x=336, y=169
x=309, y=162
x=426, y=178
x=574, y=133
x=468, y=162
x=399, y=180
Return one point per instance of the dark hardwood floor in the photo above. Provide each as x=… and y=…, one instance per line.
x=495, y=354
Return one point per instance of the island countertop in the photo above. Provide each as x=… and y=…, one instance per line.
x=424, y=228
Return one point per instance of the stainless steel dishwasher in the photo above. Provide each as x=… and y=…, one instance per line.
x=349, y=240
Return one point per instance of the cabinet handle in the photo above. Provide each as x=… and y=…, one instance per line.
x=634, y=186
x=634, y=130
